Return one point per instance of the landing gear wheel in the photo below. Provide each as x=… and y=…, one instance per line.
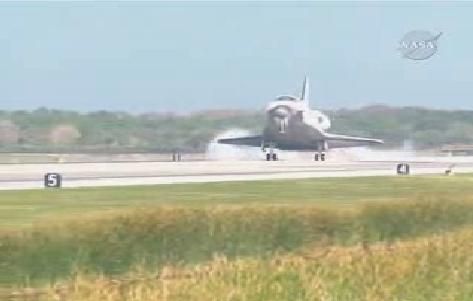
x=322, y=157
x=316, y=157
x=268, y=157
x=275, y=157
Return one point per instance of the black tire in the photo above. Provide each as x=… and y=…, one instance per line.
x=268, y=157
x=322, y=157
x=316, y=157
x=275, y=157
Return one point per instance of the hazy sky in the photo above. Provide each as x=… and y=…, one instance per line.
x=186, y=56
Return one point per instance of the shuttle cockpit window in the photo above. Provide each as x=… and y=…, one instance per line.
x=286, y=98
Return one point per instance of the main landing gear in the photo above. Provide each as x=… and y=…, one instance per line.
x=322, y=147
x=271, y=155
x=319, y=157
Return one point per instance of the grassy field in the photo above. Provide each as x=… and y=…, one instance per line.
x=23, y=208
x=435, y=268
x=424, y=269
x=86, y=238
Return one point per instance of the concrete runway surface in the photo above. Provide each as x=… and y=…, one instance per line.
x=30, y=176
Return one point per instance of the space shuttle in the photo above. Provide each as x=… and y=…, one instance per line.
x=292, y=125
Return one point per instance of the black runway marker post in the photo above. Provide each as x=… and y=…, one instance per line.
x=52, y=180
x=403, y=169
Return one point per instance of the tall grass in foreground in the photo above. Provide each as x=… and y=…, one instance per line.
x=180, y=236
x=425, y=269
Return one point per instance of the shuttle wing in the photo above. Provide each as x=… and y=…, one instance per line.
x=249, y=141
x=338, y=141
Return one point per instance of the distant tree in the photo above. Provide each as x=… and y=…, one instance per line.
x=9, y=132
x=64, y=134
x=47, y=130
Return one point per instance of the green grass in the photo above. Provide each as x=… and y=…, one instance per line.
x=113, y=244
x=434, y=268
x=23, y=208
x=110, y=230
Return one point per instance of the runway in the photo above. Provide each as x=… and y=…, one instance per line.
x=30, y=176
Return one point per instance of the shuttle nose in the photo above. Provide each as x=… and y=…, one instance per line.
x=280, y=116
x=281, y=119
x=281, y=112
x=282, y=123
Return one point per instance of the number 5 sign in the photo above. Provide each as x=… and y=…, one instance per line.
x=52, y=180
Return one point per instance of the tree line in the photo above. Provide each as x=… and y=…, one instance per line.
x=46, y=130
